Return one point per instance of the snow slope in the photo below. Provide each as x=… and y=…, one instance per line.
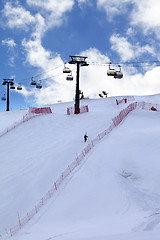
x=113, y=195
x=8, y=118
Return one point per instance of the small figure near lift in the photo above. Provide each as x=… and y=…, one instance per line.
x=153, y=108
x=85, y=137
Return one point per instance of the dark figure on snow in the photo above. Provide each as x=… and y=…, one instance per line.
x=85, y=137
x=153, y=108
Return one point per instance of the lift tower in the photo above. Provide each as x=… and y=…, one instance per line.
x=8, y=82
x=80, y=61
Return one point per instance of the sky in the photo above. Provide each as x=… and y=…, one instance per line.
x=37, y=37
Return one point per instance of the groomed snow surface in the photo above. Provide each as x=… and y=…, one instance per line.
x=113, y=195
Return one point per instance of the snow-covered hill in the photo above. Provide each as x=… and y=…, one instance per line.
x=113, y=195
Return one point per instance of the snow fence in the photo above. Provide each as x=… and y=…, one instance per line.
x=42, y=110
x=33, y=112
x=116, y=121
x=83, y=109
x=125, y=99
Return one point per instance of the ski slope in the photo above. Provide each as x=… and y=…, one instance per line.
x=114, y=194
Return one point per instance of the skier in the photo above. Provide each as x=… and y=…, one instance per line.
x=117, y=101
x=85, y=137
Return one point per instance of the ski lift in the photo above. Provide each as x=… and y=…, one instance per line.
x=19, y=87
x=33, y=82
x=12, y=86
x=4, y=98
x=69, y=77
x=119, y=74
x=4, y=82
x=39, y=85
x=111, y=71
x=66, y=69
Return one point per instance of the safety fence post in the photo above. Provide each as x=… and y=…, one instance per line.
x=19, y=220
x=55, y=185
x=36, y=209
x=28, y=216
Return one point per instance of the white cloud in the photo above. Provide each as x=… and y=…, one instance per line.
x=144, y=14
x=126, y=50
x=58, y=7
x=51, y=13
x=53, y=10
x=9, y=42
x=94, y=79
x=37, y=56
x=139, y=84
x=40, y=27
x=17, y=16
x=82, y=2
x=113, y=7
x=130, y=32
x=55, y=87
x=122, y=47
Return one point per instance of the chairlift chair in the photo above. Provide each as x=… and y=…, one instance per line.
x=12, y=86
x=4, y=98
x=19, y=87
x=66, y=69
x=4, y=82
x=69, y=77
x=119, y=74
x=39, y=85
x=33, y=82
x=111, y=71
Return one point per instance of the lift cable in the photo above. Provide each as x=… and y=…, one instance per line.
x=124, y=63
x=39, y=74
x=130, y=64
x=42, y=79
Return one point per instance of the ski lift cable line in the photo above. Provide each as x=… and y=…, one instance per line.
x=98, y=64
x=46, y=77
x=48, y=70
x=55, y=75
x=34, y=76
x=51, y=77
x=124, y=63
x=38, y=80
